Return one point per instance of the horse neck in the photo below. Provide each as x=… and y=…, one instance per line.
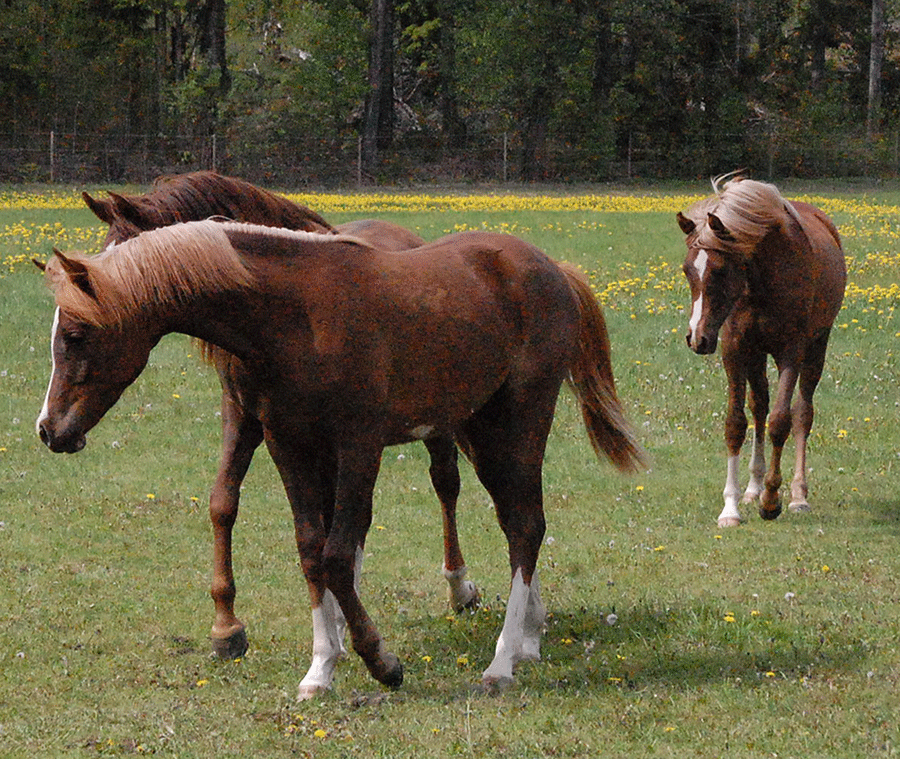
x=224, y=321
x=779, y=266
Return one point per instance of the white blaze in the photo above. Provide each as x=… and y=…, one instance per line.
x=697, y=311
x=45, y=408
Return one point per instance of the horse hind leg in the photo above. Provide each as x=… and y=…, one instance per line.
x=780, y=422
x=803, y=414
x=508, y=462
x=444, y=471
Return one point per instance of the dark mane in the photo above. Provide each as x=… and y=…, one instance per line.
x=201, y=194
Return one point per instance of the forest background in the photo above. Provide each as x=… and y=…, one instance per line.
x=343, y=92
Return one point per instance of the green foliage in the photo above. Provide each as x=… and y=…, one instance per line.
x=683, y=87
x=299, y=73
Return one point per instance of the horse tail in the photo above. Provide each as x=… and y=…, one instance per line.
x=591, y=379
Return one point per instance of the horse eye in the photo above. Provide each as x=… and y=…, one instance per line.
x=75, y=337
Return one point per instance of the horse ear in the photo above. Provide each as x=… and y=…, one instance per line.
x=687, y=226
x=40, y=264
x=78, y=273
x=102, y=208
x=128, y=210
x=716, y=225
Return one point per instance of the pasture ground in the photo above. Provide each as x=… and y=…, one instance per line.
x=773, y=639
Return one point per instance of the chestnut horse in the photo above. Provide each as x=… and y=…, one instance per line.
x=352, y=349
x=200, y=195
x=770, y=274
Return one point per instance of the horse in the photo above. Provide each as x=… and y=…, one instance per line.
x=768, y=275
x=353, y=349
x=200, y=195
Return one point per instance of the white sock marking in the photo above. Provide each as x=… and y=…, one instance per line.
x=732, y=492
x=520, y=637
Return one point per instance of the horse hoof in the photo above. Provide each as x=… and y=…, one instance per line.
x=306, y=692
x=494, y=685
x=234, y=646
x=730, y=522
x=471, y=600
x=770, y=514
x=389, y=672
x=799, y=507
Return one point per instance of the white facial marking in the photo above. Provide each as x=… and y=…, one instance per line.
x=45, y=409
x=700, y=264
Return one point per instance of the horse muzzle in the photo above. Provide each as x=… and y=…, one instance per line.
x=71, y=442
x=702, y=345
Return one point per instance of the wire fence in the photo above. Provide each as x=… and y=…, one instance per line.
x=72, y=158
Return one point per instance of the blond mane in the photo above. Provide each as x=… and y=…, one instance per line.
x=748, y=209
x=164, y=265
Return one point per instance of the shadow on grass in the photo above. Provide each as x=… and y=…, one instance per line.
x=884, y=511
x=683, y=647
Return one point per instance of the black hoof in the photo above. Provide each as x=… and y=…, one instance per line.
x=395, y=678
x=770, y=514
x=389, y=671
x=231, y=648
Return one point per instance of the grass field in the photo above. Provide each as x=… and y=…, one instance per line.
x=772, y=639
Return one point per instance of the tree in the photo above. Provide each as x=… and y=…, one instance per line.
x=378, y=117
x=876, y=61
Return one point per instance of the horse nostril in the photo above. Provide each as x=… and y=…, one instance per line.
x=44, y=435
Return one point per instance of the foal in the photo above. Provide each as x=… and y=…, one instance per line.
x=768, y=276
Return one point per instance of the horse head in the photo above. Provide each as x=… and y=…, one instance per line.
x=92, y=364
x=717, y=277
x=127, y=217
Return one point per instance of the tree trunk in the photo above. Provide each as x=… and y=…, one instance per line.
x=378, y=117
x=876, y=59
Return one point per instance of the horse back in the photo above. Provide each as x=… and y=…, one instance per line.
x=425, y=337
x=828, y=265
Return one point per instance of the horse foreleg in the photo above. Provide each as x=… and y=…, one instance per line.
x=357, y=471
x=242, y=434
x=779, y=429
x=758, y=401
x=444, y=471
x=311, y=497
x=735, y=433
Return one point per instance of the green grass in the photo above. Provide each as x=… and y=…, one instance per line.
x=772, y=639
